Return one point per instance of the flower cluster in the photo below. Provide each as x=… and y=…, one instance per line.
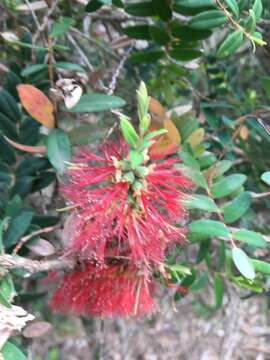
x=126, y=213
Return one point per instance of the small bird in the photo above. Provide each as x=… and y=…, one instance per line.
x=68, y=90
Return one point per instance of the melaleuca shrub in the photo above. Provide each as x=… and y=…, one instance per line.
x=127, y=207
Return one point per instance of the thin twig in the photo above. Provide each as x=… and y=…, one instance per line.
x=33, y=14
x=113, y=83
x=24, y=239
x=10, y=262
x=85, y=58
x=45, y=21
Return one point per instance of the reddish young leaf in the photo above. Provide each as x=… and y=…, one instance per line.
x=31, y=149
x=36, y=104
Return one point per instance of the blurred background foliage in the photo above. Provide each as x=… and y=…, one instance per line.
x=206, y=66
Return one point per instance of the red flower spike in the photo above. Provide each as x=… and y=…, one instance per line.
x=116, y=290
x=112, y=214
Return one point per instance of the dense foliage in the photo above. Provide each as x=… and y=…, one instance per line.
x=128, y=180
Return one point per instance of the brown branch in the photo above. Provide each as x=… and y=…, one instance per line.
x=10, y=262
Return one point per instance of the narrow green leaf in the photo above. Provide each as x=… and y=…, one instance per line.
x=250, y=23
x=9, y=107
x=61, y=26
x=234, y=210
x=228, y=185
x=7, y=127
x=189, y=160
x=155, y=133
x=162, y=9
x=261, y=266
x=17, y=227
x=128, y=131
x=11, y=352
x=143, y=8
x=97, y=102
x=209, y=228
x=231, y=44
x=200, y=283
x=195, y=175
x=58, y=149
x=159, y=35
x=258, y=9
x=201, y=202
x=184, y=32
x=232, y=4
x=140, y=32
x=146, y=56
x=243, y=263
x=207, y=19
x=68, y=66
x=196, y=3
x=219, y=290
x=250, y=237
x=33, y=69
x=219, y=168
x=185, y=54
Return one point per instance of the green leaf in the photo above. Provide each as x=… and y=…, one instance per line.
x=189, y=160
x=143, y=8
x=231, y=44
x=201, y=202
x=234, y=210
x=261, y=266
x=128, y=131
x=250, y=23
x=33, y=69
x=185, y=54
x=258, y=9
x=136, y=159
x=146, y=56
x=219, y=290
x=11, y=352
x=209, y=228
x=58, y=150
x=159, y=35
x=196, y=3
x=93, y=5
x=228, y=185
x=250, y=237
x=232, y=4
x=7, y=289
x=7, y=127
x=219, y=168
x=200, y=283
x=207, y=20
x=138, y=32
x=97, y=102
x=185, y=33
x=243, y=263
x=195, y=175
x=6, y=151
x=17, y=227
x=61, y=26
x=155, y=133
x=162, y=9
x=68, y=66
x=9, y=107
x=266, y=177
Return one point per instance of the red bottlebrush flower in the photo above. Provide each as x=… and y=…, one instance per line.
x=116, y=290
x=123, y=211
